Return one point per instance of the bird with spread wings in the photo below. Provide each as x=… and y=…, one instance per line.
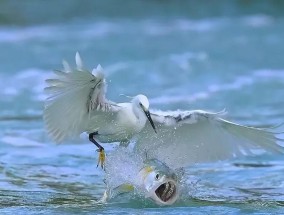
x=77, y=104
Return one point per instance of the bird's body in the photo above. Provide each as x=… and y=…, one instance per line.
x=127, y=121
x=77, y=104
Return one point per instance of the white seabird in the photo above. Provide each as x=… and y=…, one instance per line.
x=77, y=104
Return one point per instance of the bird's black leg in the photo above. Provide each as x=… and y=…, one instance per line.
x=100, y=150
x=91, y=138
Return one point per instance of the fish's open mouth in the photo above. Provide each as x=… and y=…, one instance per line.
x=166, y=191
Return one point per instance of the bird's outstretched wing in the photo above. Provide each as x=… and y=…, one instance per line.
x=76, y=96
x=188, y=137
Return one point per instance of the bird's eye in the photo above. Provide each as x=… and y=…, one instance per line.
x=157, y=177
x=140, y=104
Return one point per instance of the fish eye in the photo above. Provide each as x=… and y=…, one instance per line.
x=157, y=177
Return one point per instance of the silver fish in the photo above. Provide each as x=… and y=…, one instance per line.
x=151, y=178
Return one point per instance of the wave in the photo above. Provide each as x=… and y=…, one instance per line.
x=33, y=81
x=34, y=117
x=27, y=81
x=58, y=32
x=240, y=82
x=21, y=141
x=90, y=29
x=258, y=20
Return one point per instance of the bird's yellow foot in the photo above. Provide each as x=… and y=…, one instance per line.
x=102, y=158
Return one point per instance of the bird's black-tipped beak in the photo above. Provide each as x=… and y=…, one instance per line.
x=147, y=113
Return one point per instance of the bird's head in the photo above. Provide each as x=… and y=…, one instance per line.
x=142, y=102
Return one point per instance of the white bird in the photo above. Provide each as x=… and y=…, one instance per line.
x=77, y=104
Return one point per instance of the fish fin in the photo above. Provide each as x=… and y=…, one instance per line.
x=104, y=198
x=110, y=193
x=123, y=188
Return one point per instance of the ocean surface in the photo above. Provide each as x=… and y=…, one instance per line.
x=206, y=55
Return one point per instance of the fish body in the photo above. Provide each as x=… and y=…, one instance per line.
x=150, y=178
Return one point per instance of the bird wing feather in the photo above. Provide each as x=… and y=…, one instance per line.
x=76, y=96
x=187, y=137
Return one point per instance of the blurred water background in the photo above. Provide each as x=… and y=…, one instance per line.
x=182, y=54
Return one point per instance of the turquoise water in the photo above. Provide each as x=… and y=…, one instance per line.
x=189, y=55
